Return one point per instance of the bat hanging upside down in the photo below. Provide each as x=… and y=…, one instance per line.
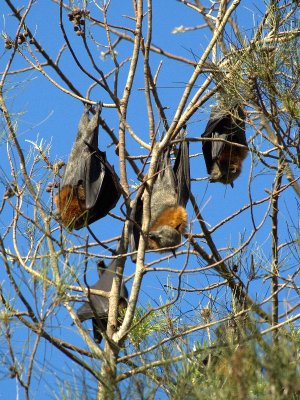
x=90, y=187
x=97, y=307
x=170, y=194
x=224, y=160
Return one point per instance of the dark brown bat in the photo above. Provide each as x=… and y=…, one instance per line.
x=224, y=160
x=90, y=187
x=170, y=194
x=98, y=306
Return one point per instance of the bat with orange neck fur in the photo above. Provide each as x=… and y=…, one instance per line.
x=170, y=194
x=90, y=187
x=224, y=160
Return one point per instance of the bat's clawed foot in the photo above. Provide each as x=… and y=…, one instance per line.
x=87, y=108
x=98, y=108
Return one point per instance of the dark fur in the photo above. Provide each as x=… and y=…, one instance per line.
x=169, y=197
x=224, y=160
x=98, y=306
x=90, y=188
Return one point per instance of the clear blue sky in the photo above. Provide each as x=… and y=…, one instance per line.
x=45, y=113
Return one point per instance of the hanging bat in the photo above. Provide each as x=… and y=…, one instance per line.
x=170, y=194
x=224, y=160
x=97, y=307
x=90, y=187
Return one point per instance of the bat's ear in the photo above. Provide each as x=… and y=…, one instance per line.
x=232, y=185
x=174, y=253
x=87, y=107
x=98, y=107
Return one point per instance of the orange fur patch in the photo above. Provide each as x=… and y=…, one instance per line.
x=70, y=206
x=152, y=245
x=235, y=156
x=176, y=217
x=172, y=216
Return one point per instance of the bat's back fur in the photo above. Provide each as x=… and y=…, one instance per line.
x=168, y=219
x=80, y=150
x=70, y=200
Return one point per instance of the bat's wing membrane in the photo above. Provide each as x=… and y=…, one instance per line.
x=136, y=217
x=98, y=306
x=174, y=180
x=212, y=149
x=102, y=187
x=230, y=127
x=99, y=321
x=166, y=174
x=182, y=173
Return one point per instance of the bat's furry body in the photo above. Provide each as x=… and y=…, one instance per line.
x=98, y=306
x=71, y=204
x=90, y=187
x=224, y=160
x=168, y=218
x=169, y=197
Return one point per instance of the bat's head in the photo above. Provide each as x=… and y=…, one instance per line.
x=164, y=236
x=225, y=173
x=228, y=165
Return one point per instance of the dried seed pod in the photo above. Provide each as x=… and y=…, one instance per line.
x=206, y=313
x=8, y=44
